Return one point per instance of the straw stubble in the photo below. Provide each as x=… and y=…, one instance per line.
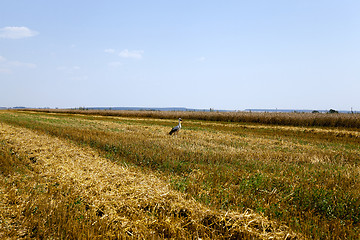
x=122, y=200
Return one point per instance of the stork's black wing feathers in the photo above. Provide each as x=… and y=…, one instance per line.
x=174, y=129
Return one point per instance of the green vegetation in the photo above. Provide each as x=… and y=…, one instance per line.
x=284, y=166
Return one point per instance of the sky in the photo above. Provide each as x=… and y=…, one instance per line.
x=233, y=55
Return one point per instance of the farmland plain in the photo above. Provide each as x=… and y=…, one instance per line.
x=300, y=179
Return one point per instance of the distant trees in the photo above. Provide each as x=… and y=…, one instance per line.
x=332, y=111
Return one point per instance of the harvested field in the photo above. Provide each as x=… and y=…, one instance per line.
x=213, y=174
x=107, y=200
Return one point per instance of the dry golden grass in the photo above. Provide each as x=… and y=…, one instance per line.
x=277, y=118
x=51, y=176
x=304, y=176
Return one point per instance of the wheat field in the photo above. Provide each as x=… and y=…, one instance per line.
x=86, y=176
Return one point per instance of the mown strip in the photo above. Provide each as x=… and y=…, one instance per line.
x=34, y=207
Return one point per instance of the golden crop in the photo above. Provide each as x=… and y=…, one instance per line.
x=123, y=169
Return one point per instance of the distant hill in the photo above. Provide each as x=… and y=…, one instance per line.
x=293, y=110
x=281, y=110
x=181, y=109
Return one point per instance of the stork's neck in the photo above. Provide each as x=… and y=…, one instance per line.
x=179, y=123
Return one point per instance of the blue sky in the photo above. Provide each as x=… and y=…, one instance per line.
x=197, y=54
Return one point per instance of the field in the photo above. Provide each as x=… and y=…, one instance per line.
x=83, y=174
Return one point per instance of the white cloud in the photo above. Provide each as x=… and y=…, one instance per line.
x=17, y=32
x=22, y=64
x=135, y=54
x=201, y=59
x=109, y=50
x=7, y=66
x=68, y=69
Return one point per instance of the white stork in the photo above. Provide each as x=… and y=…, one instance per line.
x=177, y=128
